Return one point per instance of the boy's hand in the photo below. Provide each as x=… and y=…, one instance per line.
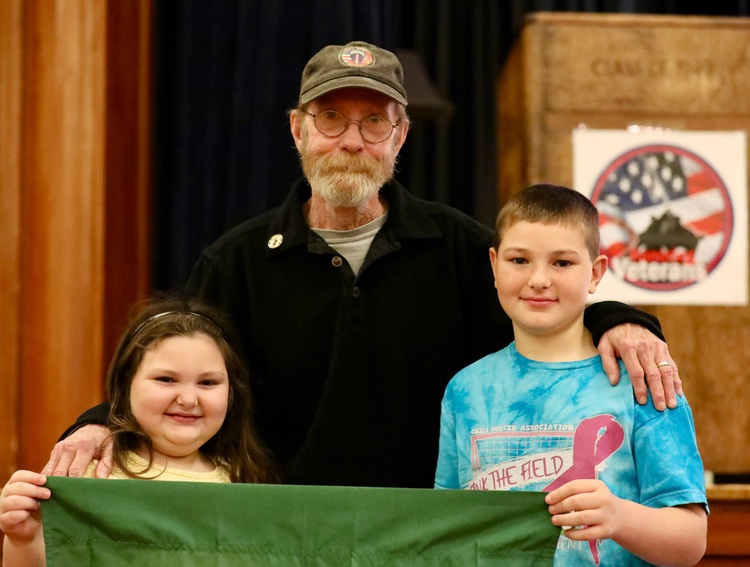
x=642, y=352
x=20, y=515
x=589, y=506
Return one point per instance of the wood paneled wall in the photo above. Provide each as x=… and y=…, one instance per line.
x=74, y=202
x=10, y=228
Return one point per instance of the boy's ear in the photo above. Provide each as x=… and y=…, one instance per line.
x=493, y=257
x=598, y=270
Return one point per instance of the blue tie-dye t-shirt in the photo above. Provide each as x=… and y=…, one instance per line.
x=511, y=423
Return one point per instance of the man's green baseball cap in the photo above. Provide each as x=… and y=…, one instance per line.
x=356, y=64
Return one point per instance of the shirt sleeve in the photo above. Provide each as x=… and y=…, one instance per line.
x=203, y=282
x=602, y=316
x=98, y=415
x=669, y=466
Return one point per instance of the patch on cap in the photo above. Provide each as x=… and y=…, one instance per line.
x=356, y=57
x=354, y=65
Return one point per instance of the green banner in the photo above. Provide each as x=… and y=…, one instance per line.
x=135, y=523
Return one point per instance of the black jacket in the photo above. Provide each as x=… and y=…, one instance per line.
x=350, y=370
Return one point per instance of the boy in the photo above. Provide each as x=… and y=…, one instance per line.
x=537, y=415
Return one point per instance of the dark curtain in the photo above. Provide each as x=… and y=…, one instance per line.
x=227, y=72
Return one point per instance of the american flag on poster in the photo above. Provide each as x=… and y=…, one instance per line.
x=673, y=223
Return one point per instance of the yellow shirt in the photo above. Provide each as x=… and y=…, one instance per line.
x=219, y=474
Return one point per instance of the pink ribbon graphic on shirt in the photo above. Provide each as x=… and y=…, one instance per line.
x=595, y=439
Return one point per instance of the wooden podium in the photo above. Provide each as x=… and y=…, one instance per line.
x=611, y=71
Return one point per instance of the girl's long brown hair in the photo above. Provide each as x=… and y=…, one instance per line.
x=236, y=445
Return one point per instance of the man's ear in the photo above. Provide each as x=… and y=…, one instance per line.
x=401, y=133
x=295, y=125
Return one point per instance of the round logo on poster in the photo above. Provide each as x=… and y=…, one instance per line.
x=665, y=217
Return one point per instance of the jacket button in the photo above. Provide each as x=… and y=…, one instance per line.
x=337, y=261
x=356, y=292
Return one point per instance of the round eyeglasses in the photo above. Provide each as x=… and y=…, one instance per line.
x=373, y=129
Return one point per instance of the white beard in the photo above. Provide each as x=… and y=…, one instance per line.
x=346, y=180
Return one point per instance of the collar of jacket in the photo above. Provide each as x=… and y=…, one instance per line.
x=407, y=218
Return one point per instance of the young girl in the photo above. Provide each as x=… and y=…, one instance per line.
x=180, y=409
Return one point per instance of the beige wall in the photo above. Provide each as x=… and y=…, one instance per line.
x=550, y=85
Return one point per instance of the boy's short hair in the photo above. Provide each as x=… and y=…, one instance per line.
x=547, y=203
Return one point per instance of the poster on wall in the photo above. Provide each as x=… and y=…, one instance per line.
x=672, y=212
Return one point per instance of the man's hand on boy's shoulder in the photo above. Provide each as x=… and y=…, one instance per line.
x=647, y=360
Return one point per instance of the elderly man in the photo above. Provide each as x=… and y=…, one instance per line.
x=357, y=302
